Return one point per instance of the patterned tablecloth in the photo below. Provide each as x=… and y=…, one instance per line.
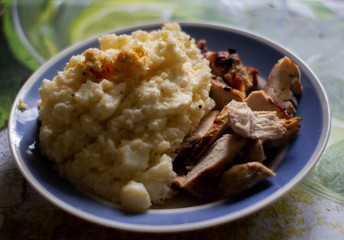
x=34, y=31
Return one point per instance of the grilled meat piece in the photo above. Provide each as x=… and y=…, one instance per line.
x=228, y=66
x=183, y=153
x=217, y=129
x=226, y=151
x=223, y=94
x=283, y=84
x=201, y=180
x=253, y=151
x=242, y=177
x=263, y=125
x=260, y=101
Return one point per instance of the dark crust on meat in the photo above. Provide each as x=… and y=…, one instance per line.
x=228, y=66
x=202, y=46
x=218, y=128
x=221, y=163
x=202, y=180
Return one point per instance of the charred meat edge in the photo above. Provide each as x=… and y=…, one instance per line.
x=201, y=181
x=217, y=129
x=181, y=162
x=202, y=178
x=228, y=66
x=283, y=84
x=260, y=101
x=222, y=93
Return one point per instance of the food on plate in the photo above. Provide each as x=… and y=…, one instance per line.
x=202, y=178
x=283, y=84
x=22, y=106
x=230, y=80
x=228, y=158
x=262, y=125
x=152, y=113
x=260, y=101
x=113, y=119
x=241, y=177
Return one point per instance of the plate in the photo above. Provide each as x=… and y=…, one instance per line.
x=256, y=51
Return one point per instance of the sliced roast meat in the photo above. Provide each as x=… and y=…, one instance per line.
x=202, y=179
x=220, y=62
x=251, y=74
x=222, y=93
x=242, y=177
x=217, y=129
x=203, y=126
x=228, y=66
x=292, y=127
x=283, y=84
x=244, y=122
x=190, y=141
x=263, y=125
x=253, y=151
x=260, y=101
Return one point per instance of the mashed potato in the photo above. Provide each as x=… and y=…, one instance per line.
x=114, y=117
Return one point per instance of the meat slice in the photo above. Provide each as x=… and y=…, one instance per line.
x=217, y=129
x=283, y=84
x=292, y=127
x=202, y=179
x=190, y=141
x=252, y=76
x=204, y=126
x=242, y=177
x=263, y=125
x=223, y=94
x=229, y=67
x=220, y=62
x=253, y=151
x=260, y=101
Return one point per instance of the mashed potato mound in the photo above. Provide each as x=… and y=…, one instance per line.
x=114, y=117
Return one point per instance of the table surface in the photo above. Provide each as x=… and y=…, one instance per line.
x=312, y=29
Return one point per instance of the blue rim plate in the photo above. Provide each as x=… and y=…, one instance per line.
x=256, y=51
